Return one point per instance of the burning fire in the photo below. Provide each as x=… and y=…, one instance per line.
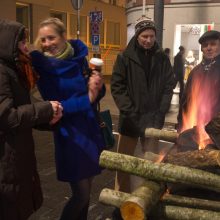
x=200, y=108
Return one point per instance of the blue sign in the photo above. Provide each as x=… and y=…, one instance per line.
x=95, y=39
x=96, y=16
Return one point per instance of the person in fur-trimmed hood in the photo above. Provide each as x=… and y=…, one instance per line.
x=142, y=86
x=20, y=190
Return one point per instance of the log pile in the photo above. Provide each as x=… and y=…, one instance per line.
x=151, y=200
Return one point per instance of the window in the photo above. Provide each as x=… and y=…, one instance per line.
x=113, y=33
x=61, y=15
x=23, y=15
x=82, y=27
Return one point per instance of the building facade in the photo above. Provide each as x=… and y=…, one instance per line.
x=111, y=30
x=184, y=21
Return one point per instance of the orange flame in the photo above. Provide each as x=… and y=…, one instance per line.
x=200, y=105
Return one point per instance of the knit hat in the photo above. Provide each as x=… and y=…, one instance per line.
x=142, y=24
x=209, y=35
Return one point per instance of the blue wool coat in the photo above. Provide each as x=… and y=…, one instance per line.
x=78, y=140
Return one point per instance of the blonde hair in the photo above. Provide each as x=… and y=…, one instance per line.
x=58, y=25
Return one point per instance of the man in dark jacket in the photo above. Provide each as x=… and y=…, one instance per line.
x=142, y=86
x=178, y=69
x=201, y=96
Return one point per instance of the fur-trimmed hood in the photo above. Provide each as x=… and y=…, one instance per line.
x=11, y=32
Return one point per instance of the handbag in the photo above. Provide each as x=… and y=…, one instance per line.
x=106, y=128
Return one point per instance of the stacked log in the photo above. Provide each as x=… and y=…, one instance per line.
x=160, y=171
x=170, y=206
x=140, y=203
x=201, y=159
x=165, y=135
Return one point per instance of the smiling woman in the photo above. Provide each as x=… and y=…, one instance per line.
x=78, y=139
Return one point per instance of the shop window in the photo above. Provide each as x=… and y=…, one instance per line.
x=113, y=33
x=82, y=27
x=23, y=15
x=61, y=15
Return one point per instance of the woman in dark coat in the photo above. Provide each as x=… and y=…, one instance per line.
x=20, y=191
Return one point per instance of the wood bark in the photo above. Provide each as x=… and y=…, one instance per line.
x=195, y=159
x=140, y=202
x=170, y=136
x=182, y=213
x=190, y=202
x=116, y=198
x=213, y=130
x=160, y=171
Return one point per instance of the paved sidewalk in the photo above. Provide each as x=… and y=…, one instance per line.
x=57, y=193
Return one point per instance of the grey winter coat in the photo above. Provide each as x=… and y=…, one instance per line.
x=142, y=102
x=20, y=191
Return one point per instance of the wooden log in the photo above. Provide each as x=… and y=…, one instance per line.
x=190, y=202
x=213, y=130
x=116, y=198
x=170, y=136
x=182, y=213
x=195, y=159
x=140, y=202
x=160, y=171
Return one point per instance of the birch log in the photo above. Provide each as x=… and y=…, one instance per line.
x=190, y=202
x=182, y=213
x=160, y=171
x=140, y=202
x=170, y=136
x=195, y=159
x=116, y=198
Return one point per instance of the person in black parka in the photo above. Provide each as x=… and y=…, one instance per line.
x=142, y=86
x=20, y=190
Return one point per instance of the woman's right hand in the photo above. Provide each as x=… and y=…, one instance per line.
x=57, y=112
x=94, y=85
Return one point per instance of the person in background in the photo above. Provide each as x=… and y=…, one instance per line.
x=190, y=62
x=78, y=139
x=167, y=52
x=142, y=86
x=202, y=88
x=178, y=69
x=20, y=189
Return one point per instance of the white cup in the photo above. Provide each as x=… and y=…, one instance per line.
x=96, y=64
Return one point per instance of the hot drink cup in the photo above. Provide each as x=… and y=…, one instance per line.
x=96, y=64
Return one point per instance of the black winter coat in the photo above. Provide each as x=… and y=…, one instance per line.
x=203, y=86
x=142, y=102
x=20, y=191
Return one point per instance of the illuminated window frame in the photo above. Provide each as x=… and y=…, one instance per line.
x=24, y=16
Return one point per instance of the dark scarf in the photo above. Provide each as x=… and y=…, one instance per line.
x=145, y=56
x=208, y=64
x=26, y=73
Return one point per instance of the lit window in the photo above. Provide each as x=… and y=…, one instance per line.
x=23, y=16
x=82, y=27
x=58, y=14
x=113, y=33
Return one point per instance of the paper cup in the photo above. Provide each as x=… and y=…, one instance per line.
x=96, y=64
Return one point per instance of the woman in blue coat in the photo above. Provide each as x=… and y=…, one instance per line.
x=78, y=140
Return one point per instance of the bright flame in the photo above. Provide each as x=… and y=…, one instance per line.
x=200, y=107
